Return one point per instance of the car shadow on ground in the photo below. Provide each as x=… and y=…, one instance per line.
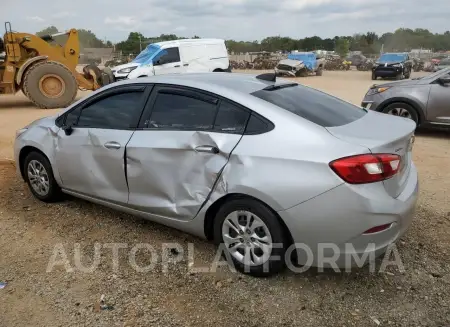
x=434, y=132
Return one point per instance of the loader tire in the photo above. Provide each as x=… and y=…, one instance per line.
x=50, y=85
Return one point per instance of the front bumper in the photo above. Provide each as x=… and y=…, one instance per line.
x=285, y=72
x=382, y=71
x=373, y=101
x=333, y=224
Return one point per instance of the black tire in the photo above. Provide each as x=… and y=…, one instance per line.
x=400, y=76
x=54, y=193
x=107, y=76
x=401, y=105
x=408, y=73
x=302, y=73
x=319, y=71
x=33, y=91
x=274, y=226
x=374, y=76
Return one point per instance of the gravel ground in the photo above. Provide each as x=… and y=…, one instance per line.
x=30, y=230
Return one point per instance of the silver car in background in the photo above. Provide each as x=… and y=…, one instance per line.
x=247, y=161
x=425, y=100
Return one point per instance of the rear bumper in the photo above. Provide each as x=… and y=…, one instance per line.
x=332, y=225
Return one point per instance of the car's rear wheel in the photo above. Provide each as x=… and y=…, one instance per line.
x=252, y=236
x=39, y=177
x=402, y=110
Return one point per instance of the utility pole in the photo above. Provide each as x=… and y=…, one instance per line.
x=140, y=43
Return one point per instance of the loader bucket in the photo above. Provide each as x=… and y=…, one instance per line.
x=101, y=77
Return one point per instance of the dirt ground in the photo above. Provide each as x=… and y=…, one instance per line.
x=29, y=231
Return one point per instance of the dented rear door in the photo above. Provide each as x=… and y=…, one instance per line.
x=175, y=160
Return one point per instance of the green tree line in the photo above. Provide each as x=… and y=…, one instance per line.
x=402, y=39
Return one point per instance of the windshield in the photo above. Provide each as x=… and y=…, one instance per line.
x=302, y=56
x=147, y=54
x=392, y=57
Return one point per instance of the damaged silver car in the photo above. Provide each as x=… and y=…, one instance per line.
x=301, y=64
x=252, y=163
x=289, y=67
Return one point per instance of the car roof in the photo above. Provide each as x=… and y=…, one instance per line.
x=188, y=41
x=212, y=82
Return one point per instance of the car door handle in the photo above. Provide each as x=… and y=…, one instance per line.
x=112, y=145
x=207, y=149
x=176, y=66
x=186, y=65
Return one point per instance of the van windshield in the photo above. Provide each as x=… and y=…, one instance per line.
x=147, y=54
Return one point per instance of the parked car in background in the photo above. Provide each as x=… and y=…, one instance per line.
x=356, y=60
x=176, y=57
x=301, y=64
x=249, y=162
x=392, y=65
x=425, y=100
x=443, y=64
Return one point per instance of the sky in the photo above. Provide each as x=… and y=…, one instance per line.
x=227, y=19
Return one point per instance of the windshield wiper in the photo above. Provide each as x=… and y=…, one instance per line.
x=278, y=87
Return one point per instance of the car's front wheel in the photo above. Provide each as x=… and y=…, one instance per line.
x=402, y=110
x=39, y=177
x=408, y=73
x=252, y=236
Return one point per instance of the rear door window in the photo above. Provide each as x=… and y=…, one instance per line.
x=230, y=118
x=183, y=110
x=318, y=107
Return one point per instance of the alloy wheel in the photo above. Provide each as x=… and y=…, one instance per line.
x=38, y=177
x=247, y=238
x=401, y=112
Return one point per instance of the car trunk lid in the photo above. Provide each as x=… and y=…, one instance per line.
x=382, y=133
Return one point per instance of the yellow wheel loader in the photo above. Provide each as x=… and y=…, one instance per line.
x=46, y=73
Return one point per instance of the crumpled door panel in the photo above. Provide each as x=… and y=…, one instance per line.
x=167, y=176
x=87, y=166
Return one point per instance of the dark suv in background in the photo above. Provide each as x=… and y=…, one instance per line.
x=393, y=65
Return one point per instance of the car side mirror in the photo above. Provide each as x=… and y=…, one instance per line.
x=68, y=130
x=444, y=80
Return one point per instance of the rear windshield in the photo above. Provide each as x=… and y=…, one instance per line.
x=315, y=106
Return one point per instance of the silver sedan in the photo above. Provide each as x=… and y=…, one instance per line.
x=255, y=164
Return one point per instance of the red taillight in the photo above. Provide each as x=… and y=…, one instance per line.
x=366, y=168
x=377, y=229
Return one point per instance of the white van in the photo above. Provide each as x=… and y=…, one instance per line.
x=176, y=57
